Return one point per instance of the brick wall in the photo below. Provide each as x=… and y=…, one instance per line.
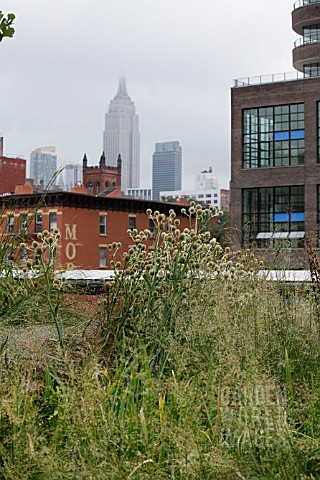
x=12, y=173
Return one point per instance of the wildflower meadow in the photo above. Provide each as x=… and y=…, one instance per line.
x=187, y=365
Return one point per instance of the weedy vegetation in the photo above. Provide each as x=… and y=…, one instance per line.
x=186, y=366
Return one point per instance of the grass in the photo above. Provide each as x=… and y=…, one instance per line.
x=167, y=375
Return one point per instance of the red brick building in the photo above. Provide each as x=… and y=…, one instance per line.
x=101, y=179
x=87, y=223
x=12, y=173
x=224, y=199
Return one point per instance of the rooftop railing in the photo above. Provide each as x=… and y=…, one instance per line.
x=303, y=3
x=271, y=78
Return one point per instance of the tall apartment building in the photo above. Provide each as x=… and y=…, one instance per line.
x=166, y=168
x=122, y=137
x=43, y=166
x=275, y=159
x=72, y=176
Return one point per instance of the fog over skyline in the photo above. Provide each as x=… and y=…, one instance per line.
x=179, y=57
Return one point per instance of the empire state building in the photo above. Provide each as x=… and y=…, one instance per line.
x=122, y=136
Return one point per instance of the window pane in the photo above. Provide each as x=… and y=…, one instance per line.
x=38, y=222
x=132, y=223
x=52, y=221
x=103, y=224
x=103, y=256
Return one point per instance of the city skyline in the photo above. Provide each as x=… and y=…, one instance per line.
x=179, y=73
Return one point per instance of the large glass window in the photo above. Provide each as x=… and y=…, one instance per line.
x=312, y=70
x=311, y=34
x=273, y=136
x=273, y=214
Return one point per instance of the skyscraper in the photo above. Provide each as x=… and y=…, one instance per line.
x=43, y=165
x=122, y=136
x=166, y=168
x=73, y=175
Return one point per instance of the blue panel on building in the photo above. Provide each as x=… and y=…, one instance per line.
x=296, y=134
x=297, y=217
x=281, y=217
x=280, y=136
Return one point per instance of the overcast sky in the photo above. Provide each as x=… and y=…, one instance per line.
x=59, y=72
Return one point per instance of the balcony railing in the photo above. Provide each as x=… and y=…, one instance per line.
x=271, y=78
x=306, y=41
x=304, y=3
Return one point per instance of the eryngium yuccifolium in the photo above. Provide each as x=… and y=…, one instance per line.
x=34, y=244
x=149, y=211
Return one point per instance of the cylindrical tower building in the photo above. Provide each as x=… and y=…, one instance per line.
x=306, y=22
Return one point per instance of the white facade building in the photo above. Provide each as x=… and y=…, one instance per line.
x=206, y=190
x=43, y=166
x=122, y=136
x=206, y=180
x=142, y=193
